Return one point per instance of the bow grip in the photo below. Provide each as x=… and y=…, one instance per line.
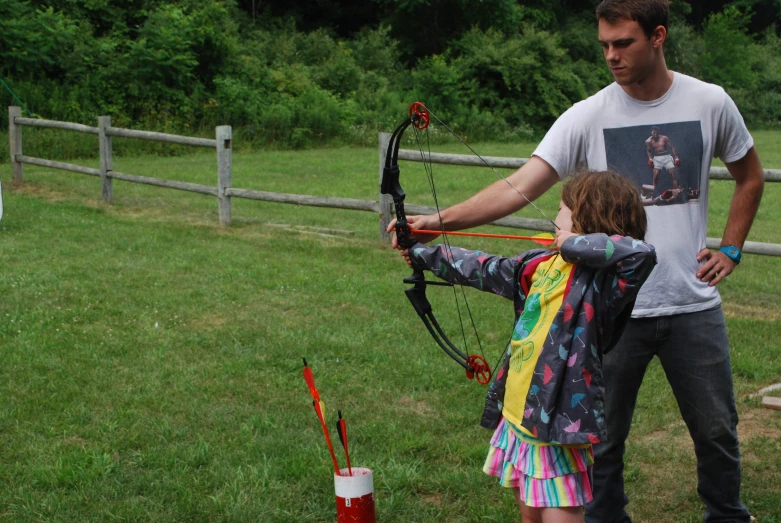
x=390, y=182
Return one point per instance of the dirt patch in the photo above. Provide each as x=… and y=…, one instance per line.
x=37, y=190
x=432, y=499
x=759, y=422
x=742, y=310
x=418, y=407
x=671, y=432
x=210, y=321
x=73, y=441
x=754, y=422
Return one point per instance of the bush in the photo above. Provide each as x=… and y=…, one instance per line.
x=185, y=67
x=525, y=80
x=730, y=56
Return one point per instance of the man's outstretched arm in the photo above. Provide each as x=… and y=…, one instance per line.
x=495, y=201
x=749, y=184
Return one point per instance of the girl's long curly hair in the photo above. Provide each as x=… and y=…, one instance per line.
x=603, y=201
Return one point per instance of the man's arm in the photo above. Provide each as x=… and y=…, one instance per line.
x=749, y=183
x=495, y=201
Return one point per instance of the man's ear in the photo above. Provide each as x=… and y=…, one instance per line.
x=659, y=36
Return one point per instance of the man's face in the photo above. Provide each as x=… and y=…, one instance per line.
x=628, y=51
x=655, y=134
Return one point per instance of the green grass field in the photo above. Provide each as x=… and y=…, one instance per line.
x=152, y=360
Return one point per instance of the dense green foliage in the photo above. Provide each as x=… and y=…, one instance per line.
x=299, y=72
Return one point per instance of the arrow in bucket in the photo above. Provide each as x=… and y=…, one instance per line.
x=341, y=428
x=320, y=410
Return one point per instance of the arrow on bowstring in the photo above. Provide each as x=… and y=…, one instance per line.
x=320, y=411
x=542, y=239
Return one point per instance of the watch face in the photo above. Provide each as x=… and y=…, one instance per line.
x=732, y=252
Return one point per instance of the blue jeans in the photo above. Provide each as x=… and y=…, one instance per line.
x=694, y=353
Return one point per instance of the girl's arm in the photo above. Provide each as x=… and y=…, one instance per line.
x=480, y=270
x=631, y=261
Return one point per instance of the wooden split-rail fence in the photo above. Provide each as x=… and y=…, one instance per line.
x=224, y=191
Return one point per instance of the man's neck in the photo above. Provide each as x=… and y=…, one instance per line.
x=653, y=86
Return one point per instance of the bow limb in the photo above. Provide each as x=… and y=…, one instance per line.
x=417, y=297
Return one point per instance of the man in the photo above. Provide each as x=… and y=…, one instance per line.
x=661, y=155
x=678, y=315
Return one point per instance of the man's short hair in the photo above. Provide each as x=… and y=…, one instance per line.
x=655, y=128
x=649, y=14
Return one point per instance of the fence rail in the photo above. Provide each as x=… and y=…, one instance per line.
x=58, y=165
x=224, y=191
x=54, y=124
x=716, y=173
x=161, y=137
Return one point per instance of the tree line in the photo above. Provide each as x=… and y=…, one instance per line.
x=300, y=73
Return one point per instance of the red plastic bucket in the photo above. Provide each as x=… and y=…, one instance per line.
x=355, y=496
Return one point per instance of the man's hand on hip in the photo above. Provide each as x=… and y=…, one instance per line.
x=717, y=266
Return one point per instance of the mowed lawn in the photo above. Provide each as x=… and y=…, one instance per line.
x=151, y=360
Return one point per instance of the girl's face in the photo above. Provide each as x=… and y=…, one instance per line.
x=564, y=218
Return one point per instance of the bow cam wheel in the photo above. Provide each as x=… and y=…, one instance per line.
x=419, y=115
x=481, y=369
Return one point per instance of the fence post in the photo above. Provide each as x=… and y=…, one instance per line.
x=386, y=201
x=224, y=168
x=15, y=140
x=106, y=187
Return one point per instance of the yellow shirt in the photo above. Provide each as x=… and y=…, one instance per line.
x=543, y=301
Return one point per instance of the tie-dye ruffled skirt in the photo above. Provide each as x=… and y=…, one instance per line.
x=547, y=475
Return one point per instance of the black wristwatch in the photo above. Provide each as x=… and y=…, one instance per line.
x=732, y=252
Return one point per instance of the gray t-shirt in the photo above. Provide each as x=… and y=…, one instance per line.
x=665, y=146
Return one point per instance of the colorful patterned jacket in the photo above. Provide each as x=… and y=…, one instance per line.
x=565, y=403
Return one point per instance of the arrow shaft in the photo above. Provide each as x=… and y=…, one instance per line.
x=542, y=241
x=327, y=437
x=341, y=427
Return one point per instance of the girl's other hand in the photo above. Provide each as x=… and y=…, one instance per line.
x=561, y=237
x=405, y=255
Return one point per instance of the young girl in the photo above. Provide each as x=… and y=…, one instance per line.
x=572, y=303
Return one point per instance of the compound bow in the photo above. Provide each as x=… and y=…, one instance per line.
x=475, y=365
